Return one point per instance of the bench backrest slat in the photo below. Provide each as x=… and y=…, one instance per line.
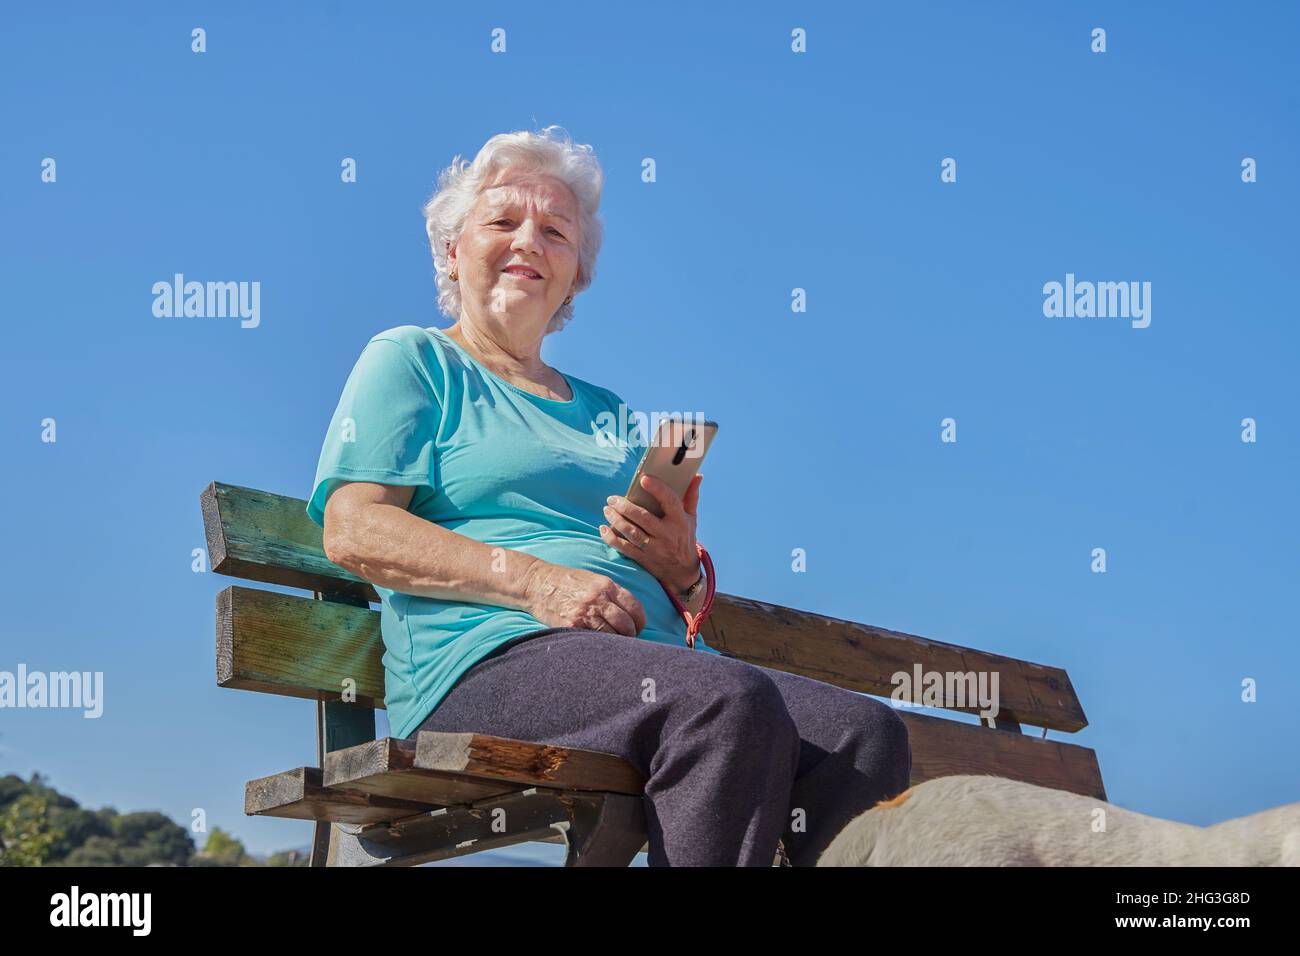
x=865, y=659
x=269, y=538
x=265, y=537
x=283, y=644
x=297, y=647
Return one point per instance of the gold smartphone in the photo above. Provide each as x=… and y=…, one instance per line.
x=674, y=457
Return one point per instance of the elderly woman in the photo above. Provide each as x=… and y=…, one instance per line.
x=462, y=476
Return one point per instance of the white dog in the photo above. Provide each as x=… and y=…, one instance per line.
x=993, y=821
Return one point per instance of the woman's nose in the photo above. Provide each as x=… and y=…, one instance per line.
x=526, y=237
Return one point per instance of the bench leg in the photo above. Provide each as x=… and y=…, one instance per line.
x=338, y=725
x=598, y=829
x=610, y=832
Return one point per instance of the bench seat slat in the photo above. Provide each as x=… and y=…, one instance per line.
x=392, y=778
x=299, y=795
x=387, y=767
x=443, y=769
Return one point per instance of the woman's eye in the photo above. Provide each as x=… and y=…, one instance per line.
x=497, y=222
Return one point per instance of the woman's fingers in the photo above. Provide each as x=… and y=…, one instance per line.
x=604, y=615
x=625, y=547
x=626, y=603
x=618, y=621
x=577, y=598
x=667, y=498
x=628, y=529
x=691, y=500
x=641, y=517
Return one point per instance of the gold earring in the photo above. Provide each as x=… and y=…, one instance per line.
x=453, y=275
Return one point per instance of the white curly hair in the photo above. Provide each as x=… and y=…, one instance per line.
x=550, y=151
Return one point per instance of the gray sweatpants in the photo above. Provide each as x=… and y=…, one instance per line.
x=734, y=755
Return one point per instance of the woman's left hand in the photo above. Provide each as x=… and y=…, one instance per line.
x=663, y=546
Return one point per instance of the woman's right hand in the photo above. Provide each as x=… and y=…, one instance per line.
x=560, y=596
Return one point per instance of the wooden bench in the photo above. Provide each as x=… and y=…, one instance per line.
x=404, y=802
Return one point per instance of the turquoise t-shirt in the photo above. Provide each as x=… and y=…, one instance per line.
x=492, y=462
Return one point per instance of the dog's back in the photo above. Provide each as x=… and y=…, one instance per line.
x=993, y=821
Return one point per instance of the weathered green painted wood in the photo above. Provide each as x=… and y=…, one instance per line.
x=299, y=795
x=943, y=748
x=269, y=538
x=344, y=724
x=296, y=647
x=842, y=653
x=339, y=725
x=281, y=644
x=288, y=645
x=865, y=658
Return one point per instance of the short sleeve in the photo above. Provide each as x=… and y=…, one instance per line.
x=384, y=427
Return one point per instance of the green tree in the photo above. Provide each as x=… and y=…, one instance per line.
x=221, y=850
x=150, y=837
x=25, y=832
x=96, y=851
x=40, y=826
x=288, y=858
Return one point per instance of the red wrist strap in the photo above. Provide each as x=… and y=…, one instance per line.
x=693, y=622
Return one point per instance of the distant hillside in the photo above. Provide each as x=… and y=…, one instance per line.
x=41, y=827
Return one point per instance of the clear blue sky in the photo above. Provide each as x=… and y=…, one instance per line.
x=775, y=171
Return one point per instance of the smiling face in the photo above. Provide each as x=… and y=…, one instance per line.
x=518, y=253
